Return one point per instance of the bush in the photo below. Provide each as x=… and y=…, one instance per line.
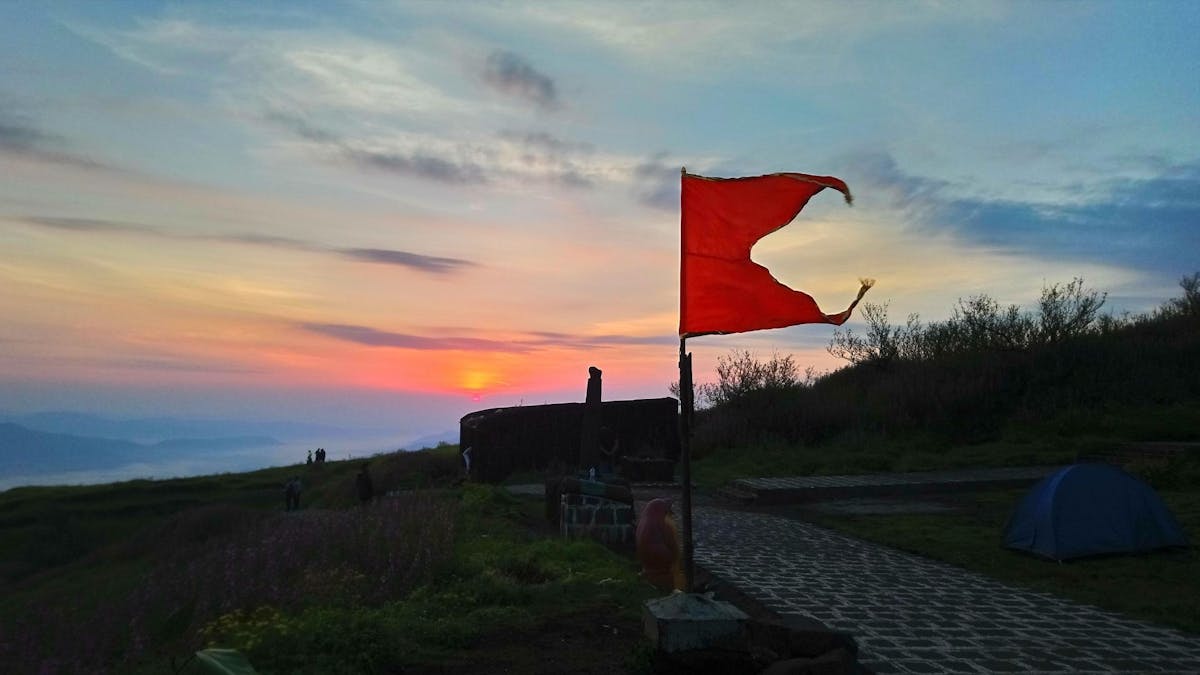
x=965, y=380
x=978, y=325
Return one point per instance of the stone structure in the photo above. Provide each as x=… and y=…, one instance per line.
x=547, y=438
x=695, y=633
x=589, y=428
x=600, y=511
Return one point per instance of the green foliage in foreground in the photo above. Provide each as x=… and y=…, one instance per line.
x=1161, y=587
x=501, y=576
x=161, y=568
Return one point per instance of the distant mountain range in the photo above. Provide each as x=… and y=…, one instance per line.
x=29, y=451
x=45, y=443
x=432, y=440
x=154, y=429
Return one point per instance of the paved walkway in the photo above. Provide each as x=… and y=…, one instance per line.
x=914, y=615
x=910, y=614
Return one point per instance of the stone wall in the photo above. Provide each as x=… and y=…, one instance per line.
x=547, y=437
x=608, y=521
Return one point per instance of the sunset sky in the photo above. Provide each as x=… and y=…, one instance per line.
x=394, y=213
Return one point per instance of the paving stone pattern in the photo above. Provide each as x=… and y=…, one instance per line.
x=914, y=615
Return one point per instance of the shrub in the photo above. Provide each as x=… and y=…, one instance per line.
x=964, y=380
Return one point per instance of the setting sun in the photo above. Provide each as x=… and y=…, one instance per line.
x=476, y=381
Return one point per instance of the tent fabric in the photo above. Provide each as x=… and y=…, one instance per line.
x=721, y=289
x=1091, y=509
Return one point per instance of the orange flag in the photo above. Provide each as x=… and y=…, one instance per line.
x=720, y=289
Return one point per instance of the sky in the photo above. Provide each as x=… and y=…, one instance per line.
x=390, y=214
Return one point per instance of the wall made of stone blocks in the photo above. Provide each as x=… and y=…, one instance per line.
x=607, y=521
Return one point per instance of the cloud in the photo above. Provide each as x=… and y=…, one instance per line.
x=89, y=225
x=411, y=162
x=517, y=157
x=682, y=38
x=547, y=143
x=255, y=240
x=414, y=261
x=1149, y=223
x=301, y=127
x=549, y=339
x=512, y=75
x=656, y=184
x=545, y=155
x=172, y=364
x=889, y=181
x=420, y=165
x=371, y=337
x=22, y=138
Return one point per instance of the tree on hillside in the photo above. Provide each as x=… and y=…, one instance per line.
x=1067, y=310
x=740, y=372
x=882, y=342
x=979, y=324
x=1189, y=304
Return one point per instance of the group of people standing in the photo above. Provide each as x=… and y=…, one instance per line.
x=364, y=487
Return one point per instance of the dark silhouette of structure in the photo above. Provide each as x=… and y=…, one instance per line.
x=645, y=436
x=589, y=436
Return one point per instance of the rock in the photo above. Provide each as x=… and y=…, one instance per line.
x=704, y=662
x=802, y=644
x=837, y=662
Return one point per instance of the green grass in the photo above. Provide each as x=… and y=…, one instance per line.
x=1160, y=587
x=498, y=568
x=873, y=455
x=47, y=527
x=502, y=575
x=1050, y=440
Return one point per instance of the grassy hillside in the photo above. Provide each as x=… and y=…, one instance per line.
x=46, y=527
x=955, y=394
x=132, y=577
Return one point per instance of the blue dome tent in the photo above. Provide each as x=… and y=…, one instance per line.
x=1091, y=509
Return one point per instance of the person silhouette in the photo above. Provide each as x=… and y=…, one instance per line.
x=366, y=490
x=291, y=494
x=309, y=461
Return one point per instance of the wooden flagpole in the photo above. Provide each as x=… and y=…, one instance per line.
x=686, y=406
x=685, y=458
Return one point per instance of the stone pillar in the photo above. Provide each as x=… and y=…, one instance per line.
x=589, y=439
